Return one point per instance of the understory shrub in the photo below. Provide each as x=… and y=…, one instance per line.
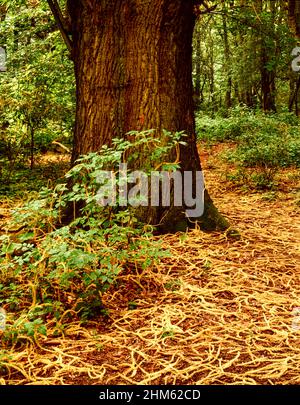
x=263, y=142
x=50, y=269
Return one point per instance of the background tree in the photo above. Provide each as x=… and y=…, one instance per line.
x=227, y=57
x=294, y=27
x=251, y=53
x=37, y=91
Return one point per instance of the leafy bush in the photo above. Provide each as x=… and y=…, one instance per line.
x=265, y=149
x=264, y=143
x=247, y=126
x=241, y=120
x=50, y=267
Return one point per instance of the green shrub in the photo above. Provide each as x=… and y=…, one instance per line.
x=262, y=140
x=241, y=120
x=50, y=268
x=269, y=148
x=264, y=143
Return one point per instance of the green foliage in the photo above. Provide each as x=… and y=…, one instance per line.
x=37, y=90
x=233, y=46
x=262, y=140
x=51, y=267
x=263, y=143
x=241, y=120
x=173, y=285
x=21, y=181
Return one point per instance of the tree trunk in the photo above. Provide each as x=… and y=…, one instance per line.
x=268, y=74
x=294, y=17
x=133, y=68
x=227, y=63
x=294, y=27
x=198, y=86
x=268, y=88
x=294, y=97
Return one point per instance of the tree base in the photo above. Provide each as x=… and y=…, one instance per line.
x=211, y=220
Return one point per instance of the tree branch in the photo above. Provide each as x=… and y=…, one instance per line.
x=59, y=19
x=207, y=9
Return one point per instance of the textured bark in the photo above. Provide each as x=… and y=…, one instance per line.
x=294, y=26
x=199, y=81
x=294, y=97
x=294, y=17
x=268, y=86
x=133, y=67
x=227, y=57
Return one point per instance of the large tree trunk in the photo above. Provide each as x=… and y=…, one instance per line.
x=133, y=67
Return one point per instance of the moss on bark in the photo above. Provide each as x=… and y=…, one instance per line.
x=174, y=219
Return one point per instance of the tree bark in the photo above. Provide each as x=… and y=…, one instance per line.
x=198, y=86
x=227, y=57
x=268, y=74
x=133, y=68
x=294, y=17
x=294, y=27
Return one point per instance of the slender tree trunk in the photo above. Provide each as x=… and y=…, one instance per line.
x=297, y=98
x=294, y=26
x=268, y=87
x=227, y=67
x=294, y=17
x=198, y=87
x=31, y=132
x=133, y=68
x=294, y=97
x=211, y=73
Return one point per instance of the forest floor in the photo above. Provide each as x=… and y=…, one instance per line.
x=220, y=309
